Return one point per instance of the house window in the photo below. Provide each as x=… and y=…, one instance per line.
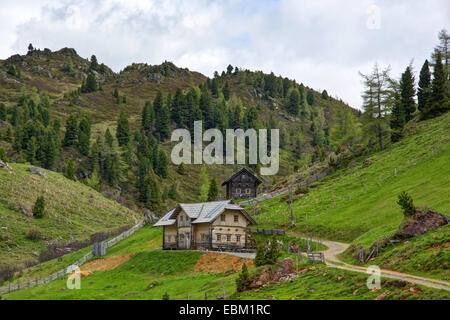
x=228, y=237
x=181, y=236
x=181, y=218
x=218, y=237
x=247, y=191
x=238, y=190
x=238, y=238
x=222, y=217
x=236, y=218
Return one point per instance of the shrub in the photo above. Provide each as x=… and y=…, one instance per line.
x=301, y=190
x=259, y=258
x=3, y=154
x=165, y=296
x=244, y=279
x=39, y=207
x=267, y=255
x=34, y=234
x=7, y=272
x=406, y=203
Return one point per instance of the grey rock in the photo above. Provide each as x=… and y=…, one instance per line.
x=37, y=171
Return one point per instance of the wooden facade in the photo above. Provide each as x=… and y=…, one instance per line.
x=218, y=227
x=241, y=185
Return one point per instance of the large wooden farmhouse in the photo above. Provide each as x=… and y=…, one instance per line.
x=242, y=184
x=208, y=225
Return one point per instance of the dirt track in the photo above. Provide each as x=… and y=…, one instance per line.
x=335, y=248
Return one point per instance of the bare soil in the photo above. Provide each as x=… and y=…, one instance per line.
x=216, y=262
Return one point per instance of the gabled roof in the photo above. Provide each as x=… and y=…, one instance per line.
x=243, y=169
x=204, y=212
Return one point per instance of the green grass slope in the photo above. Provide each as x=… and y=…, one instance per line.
x=73, y=212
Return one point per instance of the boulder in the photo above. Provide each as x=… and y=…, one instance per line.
x=285, y=271
x=37, y=171
x=5, y=165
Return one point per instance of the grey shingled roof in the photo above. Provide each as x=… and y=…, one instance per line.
x=202, y=212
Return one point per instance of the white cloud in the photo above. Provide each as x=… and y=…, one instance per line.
x=320, y=43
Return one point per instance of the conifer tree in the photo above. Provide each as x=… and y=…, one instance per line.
x=3, y=112
x=70, y=170
x=226, y=91
x=213, y=191
x=84, y=136
x=439, y=100
x=71, y=135
x=161, y=169
x=109, y=138
x=39, y=207
x=294, y=102
x=173, y=192
x=94, y=63
x=123, y=130
x=407, y=93
x=424, y=90
x=148, y=116
x=310, y=97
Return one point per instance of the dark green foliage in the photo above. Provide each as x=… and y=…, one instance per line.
x=294, y=102
x=84, y=135
x=161, y=168
x=173, y=192
x=424, y=90
x=148, y=117
x=109, y=138
x=3, y=156
x=90, y=85
x=407, y=93
x=94, y=63
x=243, y=280
x=439, y=99
x=213, y=191
x=165, y=296
x=310, y=97
x=3, y=113
x=71, y=135
x=180, y=169
x=39, y=207
x=162, y=114
x=34, y=234
x=325, y=95
x=397, y=118
x=123, y=130
x=226, y=91
x=70, y=170
x=229, y=69
x=267, y=254
x=406, y=203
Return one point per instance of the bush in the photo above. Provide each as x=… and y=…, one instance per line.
x=3, y=156
x=266, y=255
x=39, y=207
x=165, y=296
x=244, y=279
x=7, y=272
x=301, y=190
x=34, y=234
x=406, y=203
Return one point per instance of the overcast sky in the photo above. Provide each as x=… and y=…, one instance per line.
x=322, y=43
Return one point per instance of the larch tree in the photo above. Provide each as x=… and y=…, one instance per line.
x=377, y=102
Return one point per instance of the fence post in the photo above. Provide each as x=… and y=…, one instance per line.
x=224, y=292
x=395, y=171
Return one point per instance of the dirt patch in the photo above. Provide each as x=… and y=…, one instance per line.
x=154, y=243
x=105, y=264
x=216, y=262
x=422, y=221
x=438, y=246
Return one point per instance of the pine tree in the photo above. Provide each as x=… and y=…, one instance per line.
x=31, y=150
x=70, y=170
x=94, y=63
x=30, y=48
x=226, y=91
x=90, y=84
x=50, y=149
x=39, y=207
x=173, y=192
x=71, y=135
x=424, y=90
x=213, y=191
x=155, y=199
x=294, y=102
x=407, y=93
x=84, y=136
x=123, y=130
x=161, y=169
x=109, y=138
x=439, y=100
x=3, y=155
x=163, y=123
x=325, y=95
x=310, y=97
x=148, y=116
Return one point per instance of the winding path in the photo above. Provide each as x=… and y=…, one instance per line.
x=335, y=248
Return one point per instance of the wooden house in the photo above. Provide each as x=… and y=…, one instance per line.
x=242, y=184
x=208, y=225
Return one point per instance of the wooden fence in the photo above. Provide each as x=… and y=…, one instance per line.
x=62, y=273
x=267, y=231
x=278, y=192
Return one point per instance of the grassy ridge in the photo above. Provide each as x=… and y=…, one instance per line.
x=73, y=212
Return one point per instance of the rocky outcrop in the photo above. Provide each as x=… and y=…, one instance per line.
x=284, y=271
x=422, y=221
x=5, y=165
x=37, y=171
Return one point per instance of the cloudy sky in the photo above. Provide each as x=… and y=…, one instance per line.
x=322, y=43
